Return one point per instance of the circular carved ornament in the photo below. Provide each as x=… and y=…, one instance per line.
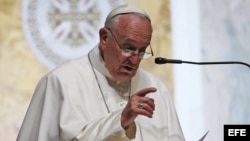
x=60, y=30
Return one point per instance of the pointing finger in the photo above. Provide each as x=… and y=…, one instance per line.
x=146, y=91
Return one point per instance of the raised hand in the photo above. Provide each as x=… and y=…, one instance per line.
x=138, y=104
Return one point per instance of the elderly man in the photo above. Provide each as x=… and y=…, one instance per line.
x=105, y=96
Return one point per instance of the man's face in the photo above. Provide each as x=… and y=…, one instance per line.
x=134, y=33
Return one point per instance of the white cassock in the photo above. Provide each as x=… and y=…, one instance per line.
x=73, y=102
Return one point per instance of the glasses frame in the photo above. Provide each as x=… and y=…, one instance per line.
x=141, y=55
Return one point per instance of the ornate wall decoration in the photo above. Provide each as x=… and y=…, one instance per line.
x=60, y=30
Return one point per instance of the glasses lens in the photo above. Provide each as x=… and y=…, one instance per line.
x=128, y=52
x=146, y=55
x=142, y=55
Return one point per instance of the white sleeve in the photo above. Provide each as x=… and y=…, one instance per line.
x=51, y=116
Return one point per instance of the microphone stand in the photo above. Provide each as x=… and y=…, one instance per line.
x=215, y=63
x=160, y=60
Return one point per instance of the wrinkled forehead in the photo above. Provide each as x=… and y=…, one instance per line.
x=126, y=9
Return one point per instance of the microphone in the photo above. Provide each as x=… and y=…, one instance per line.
x=160, y=60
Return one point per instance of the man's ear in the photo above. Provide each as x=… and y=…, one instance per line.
x=103, y=35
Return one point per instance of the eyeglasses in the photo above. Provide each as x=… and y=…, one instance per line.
x=129, y=51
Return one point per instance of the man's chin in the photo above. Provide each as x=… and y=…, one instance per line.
x=123, y=77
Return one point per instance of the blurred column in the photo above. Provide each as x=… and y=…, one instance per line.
x=208, y=97
x=185, y=17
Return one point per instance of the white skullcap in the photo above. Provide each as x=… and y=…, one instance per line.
x=125, y=9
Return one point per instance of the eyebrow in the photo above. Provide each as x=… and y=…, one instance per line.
x=130, y=42
x=133, y=47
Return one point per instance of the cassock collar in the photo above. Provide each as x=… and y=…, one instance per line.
x=98, y=62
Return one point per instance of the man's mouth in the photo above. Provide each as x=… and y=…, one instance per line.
x=128, y=68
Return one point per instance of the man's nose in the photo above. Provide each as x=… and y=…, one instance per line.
x=135, y=59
